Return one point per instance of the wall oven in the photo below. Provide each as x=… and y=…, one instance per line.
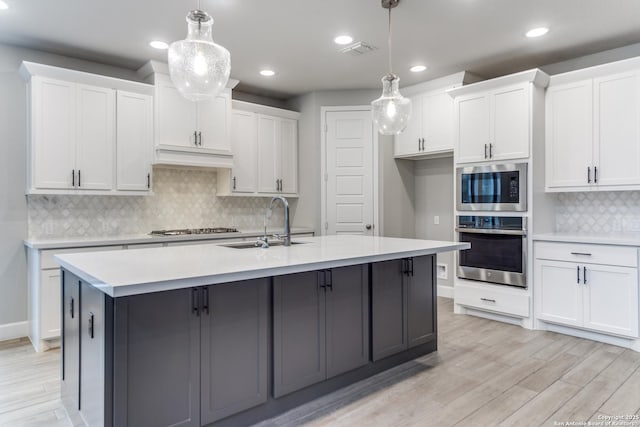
x=498, y=251
x=492, y=188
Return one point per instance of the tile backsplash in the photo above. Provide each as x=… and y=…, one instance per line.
x=598, y=212
x=183, y=198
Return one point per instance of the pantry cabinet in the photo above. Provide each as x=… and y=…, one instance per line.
x=592, y=287
x=86, y=133
x=265, y=147
x=593, y=138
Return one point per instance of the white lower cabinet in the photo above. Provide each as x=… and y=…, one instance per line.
x=572, y=290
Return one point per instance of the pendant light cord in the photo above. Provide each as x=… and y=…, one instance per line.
x=388, y=42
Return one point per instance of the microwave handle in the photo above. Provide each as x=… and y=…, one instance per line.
x=491, y=231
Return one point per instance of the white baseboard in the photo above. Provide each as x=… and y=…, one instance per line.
x=11, y=331
x=445, y=291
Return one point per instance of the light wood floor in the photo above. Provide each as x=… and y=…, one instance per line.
x=485, y=373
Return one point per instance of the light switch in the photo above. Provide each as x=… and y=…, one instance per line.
x=436, y=220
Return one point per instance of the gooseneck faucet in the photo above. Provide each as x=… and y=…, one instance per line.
x=286, y=236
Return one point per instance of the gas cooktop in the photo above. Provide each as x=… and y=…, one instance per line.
x=186, y=231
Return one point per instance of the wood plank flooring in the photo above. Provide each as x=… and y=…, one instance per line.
x=485, y=373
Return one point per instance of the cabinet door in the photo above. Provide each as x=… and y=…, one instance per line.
x=569, y=135
x=53, y=109
x=94, y=368
x=510, y=111
x=50, y=303
x=408, y=142
x=298, y=332
x=421, y=314
x=347, y=313
x=71, y=339
x=213, y=123
x=267, y=154
x=611, y=299
x=437, y=122
x=388, y=303
x=134, y=135
x=175, y=115
x=244, y=140
x=288, y=146
x=234, y=348
x=96, y=138
x=560, y=292
x=157, y=360
x=473, y=128
x=616, y=129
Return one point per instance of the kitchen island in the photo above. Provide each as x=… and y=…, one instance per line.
x=215, y=335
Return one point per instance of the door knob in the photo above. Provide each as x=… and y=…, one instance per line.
x=368, y=226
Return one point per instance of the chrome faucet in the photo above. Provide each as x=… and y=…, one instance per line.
x=286, y=237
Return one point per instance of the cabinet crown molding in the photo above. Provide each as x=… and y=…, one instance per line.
x=625, y=65
x=535, y=76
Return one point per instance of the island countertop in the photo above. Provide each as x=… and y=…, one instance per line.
x=140, y=271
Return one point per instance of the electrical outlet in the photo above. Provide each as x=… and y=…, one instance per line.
x=635, y=225
x=436, y=220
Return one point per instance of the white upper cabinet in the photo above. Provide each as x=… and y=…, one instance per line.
x=74, y=133
x=134, y=141
x=191, y=133
x=437, y=122
x=593, y=129
x=493, y=125
x=265, y=151
x=409, y=142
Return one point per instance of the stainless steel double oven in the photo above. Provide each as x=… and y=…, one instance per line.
x=498, y=251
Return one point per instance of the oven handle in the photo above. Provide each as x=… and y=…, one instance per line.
x=492, y=231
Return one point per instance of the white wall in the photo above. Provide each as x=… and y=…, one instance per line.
x=434, y=197
x=396, y=178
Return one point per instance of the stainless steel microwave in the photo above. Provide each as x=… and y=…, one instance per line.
x=500, y=187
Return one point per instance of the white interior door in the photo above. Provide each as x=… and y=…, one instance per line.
x=349, y=173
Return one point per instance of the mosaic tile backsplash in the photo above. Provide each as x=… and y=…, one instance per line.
x=598, y=212
x=183, y=198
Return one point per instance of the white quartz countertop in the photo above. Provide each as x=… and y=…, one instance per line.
x=139, y=271
x=133, y=239
x=620, y=239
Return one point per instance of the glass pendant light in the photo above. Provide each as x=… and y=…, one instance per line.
x=199, y=68
x=391, y=112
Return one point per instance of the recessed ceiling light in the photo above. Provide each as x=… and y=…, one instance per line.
x=267, y=73
x=418, y=68
x=157, y=44
x=537, y=32
x=3, y=5
x=343, y=39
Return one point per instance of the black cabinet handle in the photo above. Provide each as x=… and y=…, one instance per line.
x=200, y=139
x=490, y=151
x=79, y=182
x=419, y=141
x=205, y=300
x=405, y=266
x=321, y=280
x=72, y=307
x=195, y=303
x=588, y=174
x=485, y=150
x=91, y=321
x=234, y=182
x=195, y=137
x=584, y=275
x=329, y=283
x=578, y=274
x=73, y=177
x=595, y=174
x=411, y=266
x=149, y=180
x=487, y=300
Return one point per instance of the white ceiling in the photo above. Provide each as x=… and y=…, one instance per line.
x=294, y=37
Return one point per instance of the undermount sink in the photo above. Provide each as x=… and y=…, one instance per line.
x=249, y=245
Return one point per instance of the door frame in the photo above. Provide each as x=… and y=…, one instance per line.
x=377, y=229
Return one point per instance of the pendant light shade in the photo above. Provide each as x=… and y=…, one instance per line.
x=392, y=111
x=199, y=68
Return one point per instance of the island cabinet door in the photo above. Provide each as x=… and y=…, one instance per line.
x=388, y=308
x=421, y=314
x=71, y=339
x=347, y=318
x=96, y=312
x=298, y=331
x=234, y=352
x=157, y=359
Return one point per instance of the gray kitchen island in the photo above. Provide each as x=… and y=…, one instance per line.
x=220, y=335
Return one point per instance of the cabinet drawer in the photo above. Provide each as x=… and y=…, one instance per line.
x=587, y=253
x=46, y=256
x=490, y=298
